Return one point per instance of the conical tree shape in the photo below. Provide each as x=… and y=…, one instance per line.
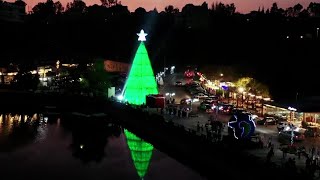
x=141, y=81
x=141, y=153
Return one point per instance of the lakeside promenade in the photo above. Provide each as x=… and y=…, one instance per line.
x=189, y=123
x=277, y=160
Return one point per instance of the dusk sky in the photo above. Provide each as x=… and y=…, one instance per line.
x=243, y=6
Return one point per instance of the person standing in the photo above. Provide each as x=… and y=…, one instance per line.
x=313, y=151
x=270, y=154
x=269, y=142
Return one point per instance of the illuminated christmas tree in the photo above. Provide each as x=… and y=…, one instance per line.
x=141, y=153
x=141, y=81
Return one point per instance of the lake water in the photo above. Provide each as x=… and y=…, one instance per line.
x=36, y=147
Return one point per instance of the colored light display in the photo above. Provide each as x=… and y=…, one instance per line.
x=141, y=152
x=243, y=126
x=141, y=80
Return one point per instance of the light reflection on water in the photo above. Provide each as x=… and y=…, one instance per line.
x=76, y=149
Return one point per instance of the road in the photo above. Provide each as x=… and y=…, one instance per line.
x=265, y=131
x=203, y=117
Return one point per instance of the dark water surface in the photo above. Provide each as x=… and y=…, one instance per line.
x=33, y=146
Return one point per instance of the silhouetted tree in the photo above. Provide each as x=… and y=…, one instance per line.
x=43, y=11
x=196, y=35
x=231, y=9
x=58, y=7
x=109, y=3
x=304, y=14
x=96, y=13
x=171, y=9
x=89, y=147
x=155, y=10
x=76, y=7
x=290, y=12
x=98, y=78
x=220, y=8
x=258, y=88
x=297, y=9
x=119, y=10
x=314, y=9
x=274, y=8
x=26, y=81
x=140, y=11
x=268, y=11
x=223, y=73
x=20, y=3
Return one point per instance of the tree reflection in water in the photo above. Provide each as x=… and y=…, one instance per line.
x=141, y=153
x=17, y=130
x=89, y=139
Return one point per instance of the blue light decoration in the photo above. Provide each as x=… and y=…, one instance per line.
x=292, y=135
x=226, y=88
x=243, y=126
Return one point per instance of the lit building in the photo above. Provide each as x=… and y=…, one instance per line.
x=311, y=110
x=45, y=74
x=6, y=75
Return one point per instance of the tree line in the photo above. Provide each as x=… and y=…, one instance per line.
x=265, y=42
x=109, y=29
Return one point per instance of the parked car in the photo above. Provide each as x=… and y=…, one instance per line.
x=178, y=83
x=267, y=121
x=200, y=95
x=237, y=111
x=225, y=108
x=213, y=97
x=198, y=89
x=210, y=101
x=312, y=131
x=281, y=125
x=205, y=106
x=188, y=86
x=185, y=101
x=287, y=135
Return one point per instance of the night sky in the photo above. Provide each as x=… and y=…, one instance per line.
x=243, y=6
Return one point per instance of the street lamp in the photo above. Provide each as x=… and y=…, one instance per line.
x=241, y=90
x=221, y=74
x=292, y=111
x=170, y=97
x=170, y=94
x=317, y=33
x=57, y=64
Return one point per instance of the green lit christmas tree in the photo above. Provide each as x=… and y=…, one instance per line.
x=141, y=81
x=141, y=153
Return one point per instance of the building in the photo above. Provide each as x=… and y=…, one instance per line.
x=13, y=12
x=311, y=109
x=283, y=112
x=7, y=75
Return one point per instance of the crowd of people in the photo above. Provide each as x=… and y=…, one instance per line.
x=311, y=156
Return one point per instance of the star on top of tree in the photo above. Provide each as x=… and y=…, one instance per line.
x=142, y=35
